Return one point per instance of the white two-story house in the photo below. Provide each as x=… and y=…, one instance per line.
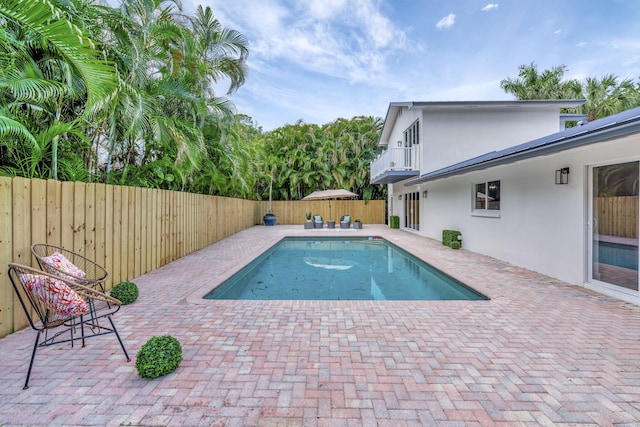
x=519, y=186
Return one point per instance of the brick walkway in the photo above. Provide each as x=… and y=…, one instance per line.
x=541, y=352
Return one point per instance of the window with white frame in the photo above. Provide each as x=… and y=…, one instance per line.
x=411, y=137
x=487, y=196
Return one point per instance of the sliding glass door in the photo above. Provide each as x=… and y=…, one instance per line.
x=412, y=211
x=614, y=215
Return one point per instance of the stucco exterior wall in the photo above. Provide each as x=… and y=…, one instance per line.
x=451, y=137
x=542, y=226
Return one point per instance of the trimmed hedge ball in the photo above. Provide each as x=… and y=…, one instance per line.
x=159, y=356
x=126, y=292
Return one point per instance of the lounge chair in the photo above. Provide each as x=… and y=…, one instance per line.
x=318, y=221
x=60, y=310
x=345, y=221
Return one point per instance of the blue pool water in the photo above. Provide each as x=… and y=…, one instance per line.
x=625, y=256
x=340, y=269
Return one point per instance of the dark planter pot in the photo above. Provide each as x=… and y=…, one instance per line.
x=308, y=225
x=269, y=219
x=357, y=225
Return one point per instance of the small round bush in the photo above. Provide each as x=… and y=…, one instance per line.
x=455, y=245
x=159, y=356
x=126, y=292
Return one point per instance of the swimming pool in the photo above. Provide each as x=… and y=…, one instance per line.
x=340, y=269
x=625, y=256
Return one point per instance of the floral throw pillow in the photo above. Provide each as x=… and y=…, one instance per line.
x=58, y=264
x=54, y=294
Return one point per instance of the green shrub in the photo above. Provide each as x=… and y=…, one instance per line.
x=394, y=221
x=126, y=292
x=455, y=245
x=449, y=237
x=159, y=356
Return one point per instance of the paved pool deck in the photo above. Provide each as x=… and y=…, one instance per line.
x=540, y=352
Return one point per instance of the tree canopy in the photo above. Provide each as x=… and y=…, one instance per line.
x=302, y=158
x=603, y=96
x=118, y=94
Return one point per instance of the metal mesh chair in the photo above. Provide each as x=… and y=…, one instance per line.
x=318, y=221
x=345, y=221
x=60, y=310
x=86, y=272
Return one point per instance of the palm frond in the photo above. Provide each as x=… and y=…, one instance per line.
x=59, y=129
x=13, y=128
x=45, y=19
x=27, y=83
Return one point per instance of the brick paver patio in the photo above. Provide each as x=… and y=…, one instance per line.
x=540, y=352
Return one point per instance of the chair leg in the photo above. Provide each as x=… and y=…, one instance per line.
x=33, y=356
x=115, y=331
x=82, y=329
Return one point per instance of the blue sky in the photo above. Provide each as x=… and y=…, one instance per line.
x=318, y=60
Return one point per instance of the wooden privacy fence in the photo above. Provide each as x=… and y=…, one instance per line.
x=617, y=216
x=293, y=212
x=130, y=231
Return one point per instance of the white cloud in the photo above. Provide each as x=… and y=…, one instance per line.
x=490, y=7
x=378, y=27
x=346, y=39
x=630, y=45
x=323, y=9
x=446, y=22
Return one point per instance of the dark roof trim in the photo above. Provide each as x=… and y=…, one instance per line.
x=622, y=124
x=559, y=103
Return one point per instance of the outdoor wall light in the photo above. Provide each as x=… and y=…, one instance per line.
x=399, y=143
x=424, y=194
x=399, y=196
x=562, y=176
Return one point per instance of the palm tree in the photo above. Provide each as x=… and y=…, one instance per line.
x=603, y=97
x=220, y=53
x=607, y=96
x=532, y=85
x=149, y=109
x=165, y=104
x=51, y=80
x=306, y=157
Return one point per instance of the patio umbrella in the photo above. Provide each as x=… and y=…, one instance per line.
x=328, y=195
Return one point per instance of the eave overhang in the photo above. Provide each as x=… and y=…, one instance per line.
x=391, y=176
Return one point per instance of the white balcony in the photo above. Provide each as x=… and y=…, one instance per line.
x=393, y=165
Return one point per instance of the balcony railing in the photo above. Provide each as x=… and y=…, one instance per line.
x=394, y=162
